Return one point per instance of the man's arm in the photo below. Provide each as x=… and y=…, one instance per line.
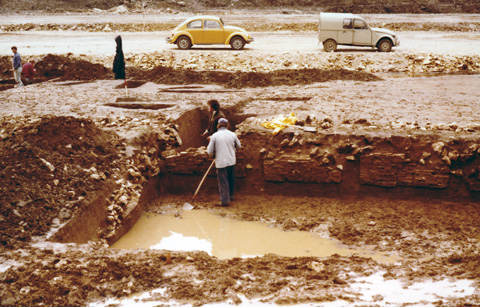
x=237, y=143
x=211, y=147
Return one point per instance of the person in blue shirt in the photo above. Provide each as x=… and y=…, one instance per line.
x=17, y=67
x=222, y=147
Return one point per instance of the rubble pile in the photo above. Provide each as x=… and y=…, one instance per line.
x=306, y=26
x=48, y=170
x=51, y=167
x=146, y=161
x=120, y=201
x=241, y=61
x=90, y=27
x=239, y=79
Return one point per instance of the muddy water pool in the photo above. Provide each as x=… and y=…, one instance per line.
x=227, y=238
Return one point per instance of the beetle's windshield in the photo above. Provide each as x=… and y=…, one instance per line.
x=221, y=21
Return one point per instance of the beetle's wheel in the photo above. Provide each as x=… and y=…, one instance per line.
x=183, y=42
x=237, y=43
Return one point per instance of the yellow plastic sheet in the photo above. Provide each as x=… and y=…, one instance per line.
x=276, y=123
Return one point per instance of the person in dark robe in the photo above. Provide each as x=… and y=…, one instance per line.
x=215, y=115
x=119, y=61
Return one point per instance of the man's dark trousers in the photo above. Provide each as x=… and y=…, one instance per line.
x=226, y=183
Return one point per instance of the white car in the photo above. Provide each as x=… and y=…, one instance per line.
x=352, y=30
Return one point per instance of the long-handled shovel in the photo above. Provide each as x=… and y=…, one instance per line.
x=203, y=179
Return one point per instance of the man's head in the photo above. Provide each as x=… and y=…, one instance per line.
x=14, y=49
x=222, y=122
x=32, y=61
x=214, y=104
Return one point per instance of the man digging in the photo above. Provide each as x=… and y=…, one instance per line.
x=222, y=147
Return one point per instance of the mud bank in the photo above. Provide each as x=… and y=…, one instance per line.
x=245, y=70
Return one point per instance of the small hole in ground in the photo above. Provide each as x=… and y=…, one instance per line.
x=146, y=106
x=131, y=84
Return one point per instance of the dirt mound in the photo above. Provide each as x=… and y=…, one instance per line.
x=47, y=168
x=70, y=68
x=63, y=67
x=239, y=79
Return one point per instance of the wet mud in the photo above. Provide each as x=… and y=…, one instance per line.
x=66, y=141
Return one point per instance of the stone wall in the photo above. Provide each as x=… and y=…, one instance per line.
x=195, y=161
x=391, y=170
x=300, y=168
x=347, y=161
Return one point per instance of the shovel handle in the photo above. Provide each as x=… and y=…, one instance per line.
x=203, y=179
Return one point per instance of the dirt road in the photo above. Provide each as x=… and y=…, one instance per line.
x=38, y=43
x=102, y=43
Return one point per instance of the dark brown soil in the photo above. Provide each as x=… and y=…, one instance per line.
x=69, y=67
x=72, y=68
x=45, y=170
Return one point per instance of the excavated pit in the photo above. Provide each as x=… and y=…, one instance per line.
x=295, y=163
x=413, y=193
x=131, y=84
x=140, y=105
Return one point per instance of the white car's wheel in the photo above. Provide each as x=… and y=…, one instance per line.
x=183, y=42
x=330, y=45
x=237, y=43
x=385, y=45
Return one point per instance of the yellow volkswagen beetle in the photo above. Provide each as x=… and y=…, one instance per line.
x=208, y=30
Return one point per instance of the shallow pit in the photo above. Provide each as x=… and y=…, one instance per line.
x=131, y=84
x=74, y=83
x=140, y=105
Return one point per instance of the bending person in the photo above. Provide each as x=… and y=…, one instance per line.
x=215, y=115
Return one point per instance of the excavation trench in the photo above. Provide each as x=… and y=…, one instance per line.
x=294, y=164
x=397, y=193
x=297, y=164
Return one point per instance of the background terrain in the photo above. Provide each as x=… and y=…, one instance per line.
x=374, y=6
